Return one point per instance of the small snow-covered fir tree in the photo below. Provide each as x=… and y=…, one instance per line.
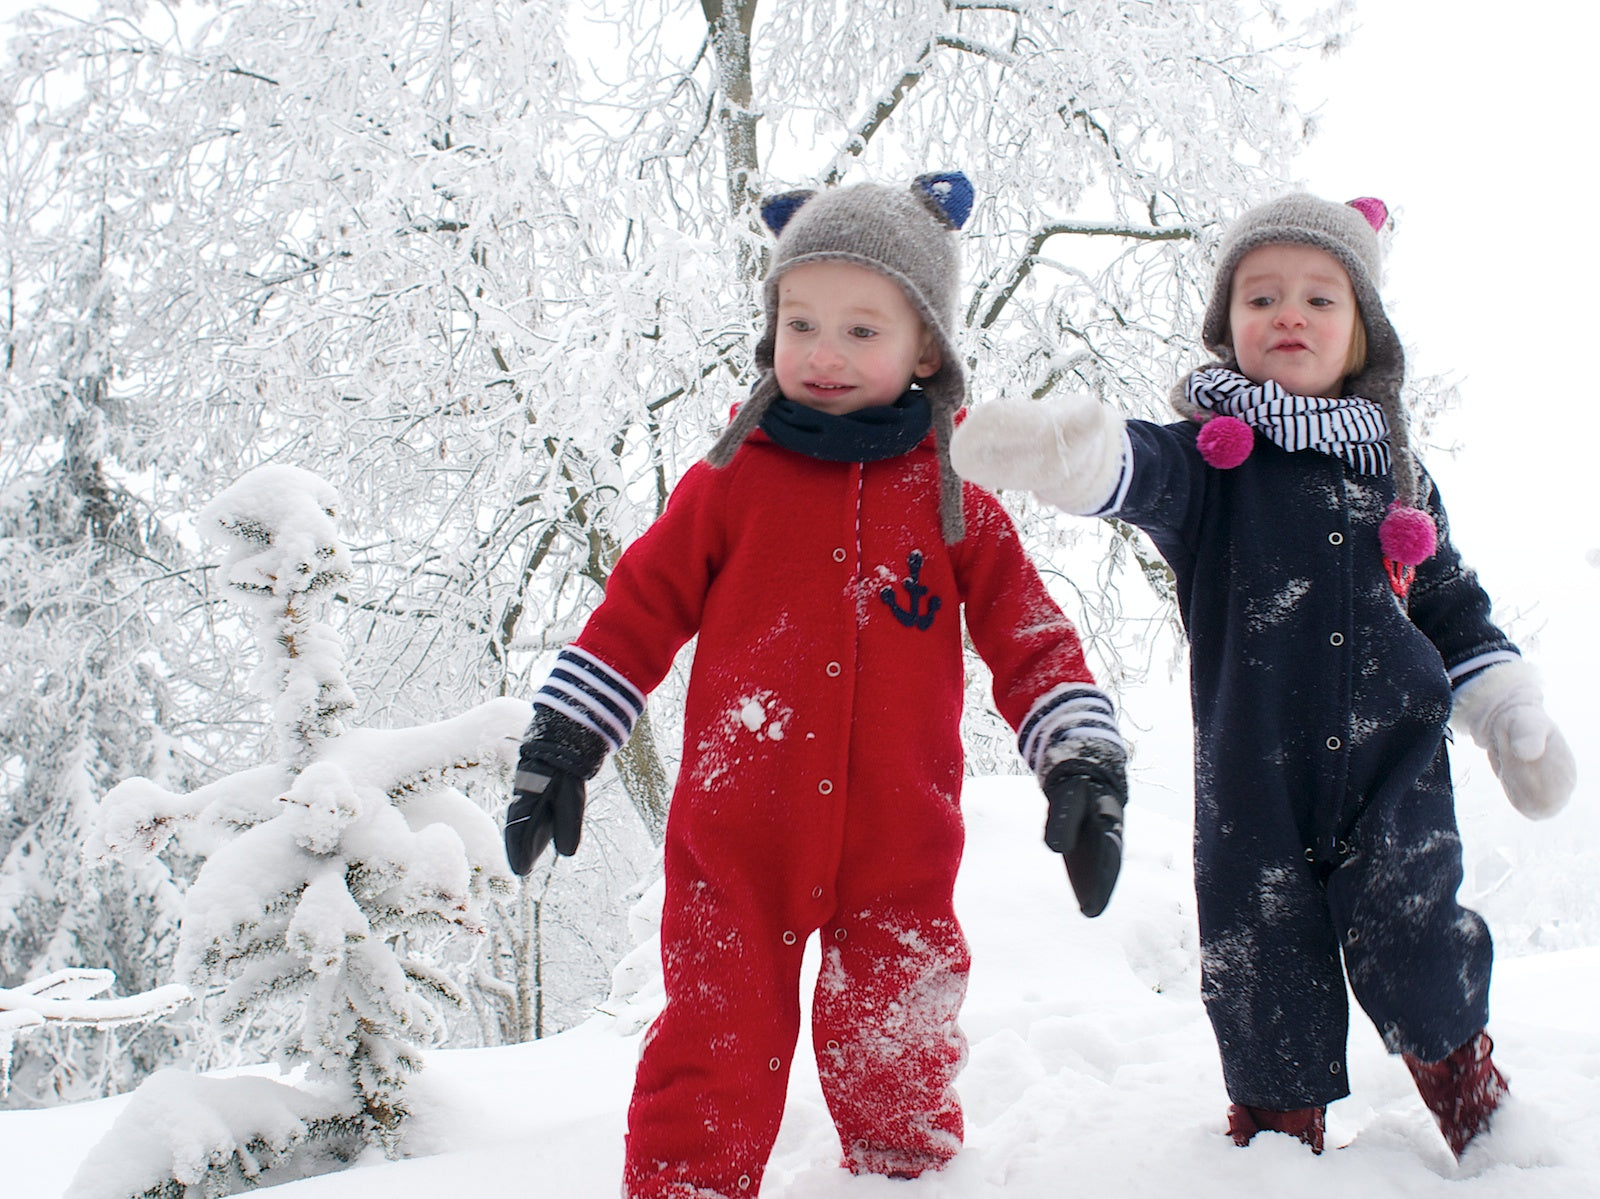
x=324, y=869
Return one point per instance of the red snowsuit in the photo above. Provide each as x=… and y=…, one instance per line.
x=819, y=789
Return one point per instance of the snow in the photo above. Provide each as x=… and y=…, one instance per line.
x=70, y=995
x=1091, y=1069
x=197, y=1118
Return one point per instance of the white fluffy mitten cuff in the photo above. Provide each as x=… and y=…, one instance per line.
x=1068, y=452
x=1503, y=710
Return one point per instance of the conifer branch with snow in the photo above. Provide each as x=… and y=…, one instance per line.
x=322, y=868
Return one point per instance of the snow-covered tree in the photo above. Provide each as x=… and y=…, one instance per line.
x=329, y=870
x=489, y=267
x=91, y=669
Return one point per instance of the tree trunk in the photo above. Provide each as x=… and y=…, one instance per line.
x=729, y=22
x=644, y=778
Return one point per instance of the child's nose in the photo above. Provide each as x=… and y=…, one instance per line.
x=826, y=351
x=1291, y=316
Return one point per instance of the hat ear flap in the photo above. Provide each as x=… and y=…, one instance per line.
x=777, y=212
x=948, y=193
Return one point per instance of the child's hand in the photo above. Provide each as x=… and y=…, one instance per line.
x=1068, y=452
x=547, y=792
x=1503, y=710
x=1085, y=827
x=547, y=803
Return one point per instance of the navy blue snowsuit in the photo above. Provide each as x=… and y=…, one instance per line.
x=1324, y=817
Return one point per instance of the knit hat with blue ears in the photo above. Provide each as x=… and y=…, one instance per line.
x=906, y=234
x=1349, y=233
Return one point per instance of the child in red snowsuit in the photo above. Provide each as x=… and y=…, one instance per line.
x=823, y=554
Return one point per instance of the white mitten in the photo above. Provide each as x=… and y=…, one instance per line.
x=1067, y=452
x=1503, y=710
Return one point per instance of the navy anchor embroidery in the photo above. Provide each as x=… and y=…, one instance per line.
x=914, y=617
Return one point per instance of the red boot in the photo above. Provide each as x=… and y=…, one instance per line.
x=1461, y=1091
x=1304, y=1123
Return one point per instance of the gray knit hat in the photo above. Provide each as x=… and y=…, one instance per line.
x=1349, y=232
x=905, y=234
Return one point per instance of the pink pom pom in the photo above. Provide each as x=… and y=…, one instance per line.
x=1225, y=441
x=1407, y=535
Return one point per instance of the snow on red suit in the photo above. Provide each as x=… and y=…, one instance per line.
x=819, y=790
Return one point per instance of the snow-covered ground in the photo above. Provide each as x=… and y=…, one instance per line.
x=1092, y=1070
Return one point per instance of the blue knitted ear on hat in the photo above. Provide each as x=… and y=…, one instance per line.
x=779, y=211
x=951, y=195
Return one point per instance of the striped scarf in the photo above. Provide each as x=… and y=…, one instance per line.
x=1349, y=427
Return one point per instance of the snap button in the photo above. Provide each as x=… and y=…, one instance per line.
x=816, y=892
x=833, y=1046
x=1336, y=639
x=1352, y=936
x=1334, y=743
x=825, y=787
x=834, y=670
x=839, y=555
x=1311, y=854
x=744, y=1182
x=789, y=938
x=838, y=934
x=774, y=1064
x=1333, y=1067
x=1335, y=538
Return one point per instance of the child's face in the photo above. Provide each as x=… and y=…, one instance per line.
x=848, y=338
x=1291, y=319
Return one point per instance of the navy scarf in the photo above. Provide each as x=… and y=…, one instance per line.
x=866, y=435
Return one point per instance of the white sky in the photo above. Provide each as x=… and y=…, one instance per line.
x=1472, y=121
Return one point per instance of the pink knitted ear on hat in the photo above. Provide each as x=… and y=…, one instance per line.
x=1374, y=209
x=1408, y=535
x=1225, y=441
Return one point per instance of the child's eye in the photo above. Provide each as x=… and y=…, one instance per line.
x=1258, y=301
x=799, y=325
x=861, y=331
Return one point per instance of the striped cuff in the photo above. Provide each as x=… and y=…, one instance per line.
x=1119, y=492
x=1466, y=671
x=1073, y=720
x=588, y=691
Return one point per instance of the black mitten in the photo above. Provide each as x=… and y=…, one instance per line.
x=1085, y=827
x=547, y=793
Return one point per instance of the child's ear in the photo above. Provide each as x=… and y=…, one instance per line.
x=778, y=211
x=930, y=359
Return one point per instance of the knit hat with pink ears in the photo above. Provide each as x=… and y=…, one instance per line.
x=1348, y=232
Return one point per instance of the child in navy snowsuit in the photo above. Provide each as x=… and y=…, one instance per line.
x=823, y=554
x=1333, y=633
